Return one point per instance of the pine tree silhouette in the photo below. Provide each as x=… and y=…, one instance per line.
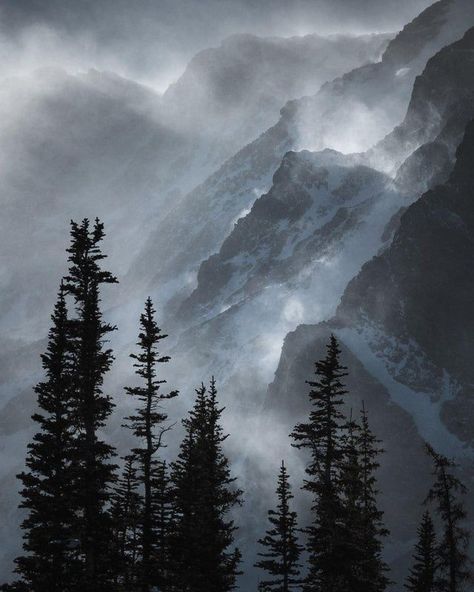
x=127, y=511
x=372, y=568
x=94, y=474
x=422, y=576
x=50, y=528
x=453, y=560
x=204, y=493
x=149, y=425
x=321, y=436
x=351, y=488
x=164, y=522
x=282, y=550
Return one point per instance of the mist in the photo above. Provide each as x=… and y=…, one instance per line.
x=241, y=155
x=152, y=41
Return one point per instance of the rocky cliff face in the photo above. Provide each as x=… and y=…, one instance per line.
x=420, y=289
x=288, y=259
x=406, y=329
x=317, y=203
x=340, y=115
x=439, y=108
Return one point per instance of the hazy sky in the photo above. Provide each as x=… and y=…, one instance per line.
x=151, y=40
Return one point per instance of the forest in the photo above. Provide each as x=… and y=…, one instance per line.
x=95, y=521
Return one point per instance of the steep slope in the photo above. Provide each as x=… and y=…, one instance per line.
x=406, y=329
x=285, y=261
x=381, y=91
x=317, y=202
x=419, y=291
x=95, y=144
x=440, y=106
x=288, y=259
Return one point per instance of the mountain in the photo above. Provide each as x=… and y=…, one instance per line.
x=439, y=108
x=376, y=96
x=418, y=294
x=405, y=324
x=288, y=259
x=96, y=144
x=317, y=201
x=264, y=246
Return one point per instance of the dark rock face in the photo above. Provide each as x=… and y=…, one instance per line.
x=429, y=265
x=405, y=324
x=373, y=96
x=421, y=287
x=440, y=106
x=315, y=203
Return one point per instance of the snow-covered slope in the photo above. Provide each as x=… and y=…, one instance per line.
x=286, y=262
x=440, y=106
x=405, y=322
x=317, y=202
x=249, y=254
x=334, y=117
x=421, y=288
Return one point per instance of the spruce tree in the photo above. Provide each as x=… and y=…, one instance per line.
x=204, y=493
x=50, y=563
x=372, y=569
x=422, y=576
x=321, y=435
x=362, y=565
x=164, y=522
x=127, y=510
x=445, y=493
x=149, y=425
x=282, y=550
x=94, y=473
x=351, y=488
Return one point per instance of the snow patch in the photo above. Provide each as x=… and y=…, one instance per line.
x=425, y=412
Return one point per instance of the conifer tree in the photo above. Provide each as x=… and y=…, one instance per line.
x=422, y=576
x=204, y=493
x=149, y=425
x=127, y=510
x=50, y=564
x=453, y=561
x=362, y=566
x=372, y=568
x=94, y=473
x=164, y=522
x=351, y=488
x=321, y=435
x=282, y=550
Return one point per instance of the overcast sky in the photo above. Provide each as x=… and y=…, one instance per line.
x=151, y=40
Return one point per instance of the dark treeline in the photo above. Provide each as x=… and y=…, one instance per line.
x=98, y=523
